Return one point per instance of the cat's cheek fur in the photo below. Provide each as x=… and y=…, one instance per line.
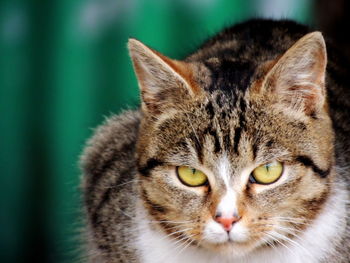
x=239, y=233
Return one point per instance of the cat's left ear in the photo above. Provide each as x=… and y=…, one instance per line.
x=164, y=82
x=298, y=77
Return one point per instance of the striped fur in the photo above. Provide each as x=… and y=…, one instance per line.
x=254, y=93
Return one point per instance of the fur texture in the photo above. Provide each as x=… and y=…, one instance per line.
x=257, y=92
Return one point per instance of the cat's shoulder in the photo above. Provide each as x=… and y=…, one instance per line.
x=117, y=132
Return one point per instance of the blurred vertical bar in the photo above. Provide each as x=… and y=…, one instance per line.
x=14, y=76
x=72, y=105
x=23, y=79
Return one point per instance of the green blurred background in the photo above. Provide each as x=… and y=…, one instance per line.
x=64, y=67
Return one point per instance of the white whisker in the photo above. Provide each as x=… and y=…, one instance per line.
x=176, y=232
x=291, y=241
x=278, y=241
x=186, y=246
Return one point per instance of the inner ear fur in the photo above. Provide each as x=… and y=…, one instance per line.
x=297, y=79
x=163, y=82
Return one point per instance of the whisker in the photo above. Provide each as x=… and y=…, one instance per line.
x=183, y=238
x=288, y=218
x=291, y=220
x=173, y=233
x=174, y=222
x=123, y=212
x=270, y=244
x=179, y=246
x=279, y=242
x=290, y=230
x=186, y=246
x=165, y=228
x=186, y=238
x=291, y=241
x=284, y=228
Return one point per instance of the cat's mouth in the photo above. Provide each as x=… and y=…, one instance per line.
x=238, y=241
x=231, y=248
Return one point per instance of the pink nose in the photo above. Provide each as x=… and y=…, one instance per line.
x=227, y=222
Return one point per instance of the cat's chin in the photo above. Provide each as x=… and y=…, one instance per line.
x=231, y=249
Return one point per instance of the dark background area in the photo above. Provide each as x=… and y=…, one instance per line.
x=64, y=67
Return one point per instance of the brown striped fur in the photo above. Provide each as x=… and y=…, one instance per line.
x=255, y=93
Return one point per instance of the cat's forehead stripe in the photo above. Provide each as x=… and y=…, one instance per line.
x=218, y=111
x=215, y=137
x=228, y=75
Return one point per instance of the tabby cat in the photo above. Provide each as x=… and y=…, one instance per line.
x=239, y=153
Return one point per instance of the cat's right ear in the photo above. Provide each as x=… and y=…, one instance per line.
x=163, y=82
x=298, y=77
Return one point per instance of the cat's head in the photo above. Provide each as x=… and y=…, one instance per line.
x=234, y=156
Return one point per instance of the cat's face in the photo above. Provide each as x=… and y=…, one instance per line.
x=233, y=171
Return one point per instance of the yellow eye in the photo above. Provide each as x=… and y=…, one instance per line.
x=190, y=176
x=267, y=173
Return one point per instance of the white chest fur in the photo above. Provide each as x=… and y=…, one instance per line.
x=313, y=246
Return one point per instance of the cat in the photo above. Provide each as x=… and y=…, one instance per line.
x=238, y=153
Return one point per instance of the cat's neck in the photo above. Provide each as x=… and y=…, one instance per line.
x=316, y=244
